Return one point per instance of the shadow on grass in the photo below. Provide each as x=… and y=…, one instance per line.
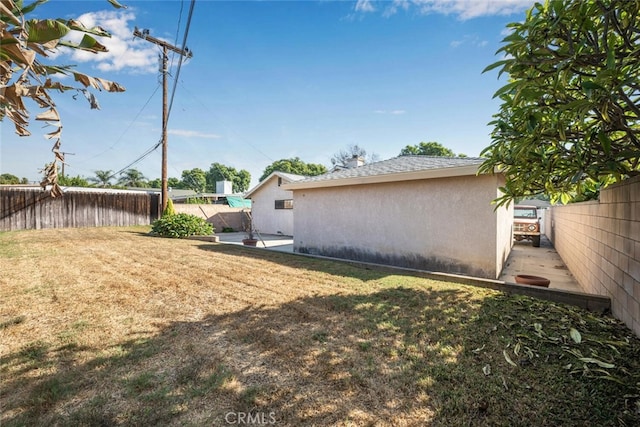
x=342, y=268
x=397, y=356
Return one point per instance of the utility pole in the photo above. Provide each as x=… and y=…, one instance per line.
x=63, y=162
x=184, y=52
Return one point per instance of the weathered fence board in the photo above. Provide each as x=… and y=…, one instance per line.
x=31, y=208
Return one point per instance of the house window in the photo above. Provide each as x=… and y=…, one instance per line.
x=279, y=182
x=284, y=204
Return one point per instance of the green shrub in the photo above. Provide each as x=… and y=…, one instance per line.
x=169, y=210
x=181, y=225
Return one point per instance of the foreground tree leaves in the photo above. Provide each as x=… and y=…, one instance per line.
x=569, y=120
x=24, y=44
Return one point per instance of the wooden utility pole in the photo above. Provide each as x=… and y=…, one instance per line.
x=144, y=34
x=63, y=162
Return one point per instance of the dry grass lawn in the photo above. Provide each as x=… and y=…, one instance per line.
x=110, y=326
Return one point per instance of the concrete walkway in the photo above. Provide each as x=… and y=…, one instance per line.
x=543, y=261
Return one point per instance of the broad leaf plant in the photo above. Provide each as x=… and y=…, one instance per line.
x=25, y=74
x=568, y=124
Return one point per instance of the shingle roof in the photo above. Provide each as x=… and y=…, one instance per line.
x=398, y=165
x=396, y=169
x=290, y=176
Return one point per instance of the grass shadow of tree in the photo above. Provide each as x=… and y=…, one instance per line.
x=316, y=360
x=395, y=356
x=342, y=268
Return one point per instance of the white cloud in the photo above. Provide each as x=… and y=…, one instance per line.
x=472, y=40
x=365, y=6
x=463, y=9
x=126, y=53
x=192, y=134
x=395, y=6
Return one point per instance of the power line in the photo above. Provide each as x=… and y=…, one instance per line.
x=246, y=141
x=175, y=40
x=121, y=137
x=165, y=112
x=127, y=128
x=184, y=43
x=138, y=160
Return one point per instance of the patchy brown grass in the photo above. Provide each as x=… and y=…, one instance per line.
x=112, y=327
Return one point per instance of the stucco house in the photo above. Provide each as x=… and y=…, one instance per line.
x=430, y=213
x=272, y=205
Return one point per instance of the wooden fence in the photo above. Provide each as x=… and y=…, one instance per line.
x=34, y=208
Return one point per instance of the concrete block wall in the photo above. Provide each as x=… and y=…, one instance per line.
x=220, y=216
x=599, y=241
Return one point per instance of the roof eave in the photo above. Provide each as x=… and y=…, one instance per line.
x=249, y=193
x=390, y=177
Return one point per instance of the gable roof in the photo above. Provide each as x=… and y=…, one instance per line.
x=289, y=177
x=402, y=168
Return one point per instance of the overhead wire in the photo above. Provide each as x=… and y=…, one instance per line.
x=138, y=160
x=206, y=107
x=173, y=92
x=155, y=147
x=175, y=40
x=121, y=137
x=181, y=60
x=177, y=77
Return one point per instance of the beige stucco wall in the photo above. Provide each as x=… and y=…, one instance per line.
x=266, y=218
x=445, y=224
x=599, y=242
x=504, y=228
x=219, y=215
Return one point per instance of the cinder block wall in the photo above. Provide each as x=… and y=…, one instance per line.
x=600, y=244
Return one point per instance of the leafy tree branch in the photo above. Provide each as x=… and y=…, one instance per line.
x=25, y=73
x=569, y=122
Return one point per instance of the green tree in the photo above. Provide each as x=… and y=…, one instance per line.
x=342, y=157
x=170, y=209
x=219, y=172
x=172, y=182
x=24, y=74
x=294, y=165
x=194, y=179
x=133, y=178
x=569, y=120
x=428, y=149
x=7, y=178
x=73, y=181
x=102, y=178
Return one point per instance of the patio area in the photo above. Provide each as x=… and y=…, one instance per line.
x=269, y=241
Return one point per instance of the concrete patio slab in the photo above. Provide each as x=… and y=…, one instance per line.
x=269, y=241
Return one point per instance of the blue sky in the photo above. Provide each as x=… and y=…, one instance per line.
x=276, y=79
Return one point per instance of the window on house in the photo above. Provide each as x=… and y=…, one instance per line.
x=279, y=181
x=284, y=204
